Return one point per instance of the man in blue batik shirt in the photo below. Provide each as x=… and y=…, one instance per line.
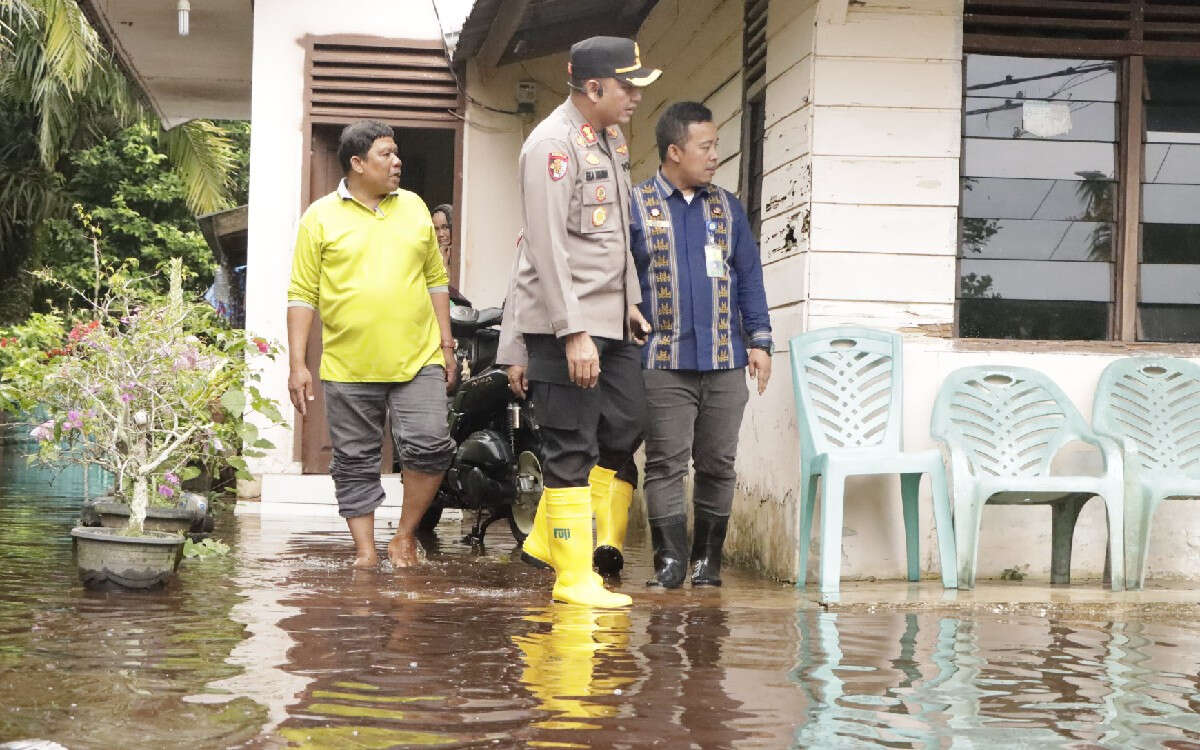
x=702, y=292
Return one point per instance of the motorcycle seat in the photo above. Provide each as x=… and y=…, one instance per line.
x=467, y=320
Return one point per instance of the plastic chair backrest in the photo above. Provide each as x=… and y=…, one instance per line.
x=1155, y=402
x=1008, y=421
x=847, y=383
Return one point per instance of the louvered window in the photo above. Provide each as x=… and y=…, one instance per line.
x=1080, y=200
x=1083, y=27
x=754, y=72
x=407, y=85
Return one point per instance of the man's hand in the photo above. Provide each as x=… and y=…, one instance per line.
x=517, y=382
x=759, y=368
x=583, y=360
x=451, y=369
x=300, y=388
x=639, y=329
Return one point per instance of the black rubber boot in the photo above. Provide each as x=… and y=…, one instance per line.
x=669, y=536
x=707, y=540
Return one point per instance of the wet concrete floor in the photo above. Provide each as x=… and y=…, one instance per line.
x=282, y=645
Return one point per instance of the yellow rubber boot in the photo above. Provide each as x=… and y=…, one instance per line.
x=537, y=544
x=600, y=483
x=610, y=536
x=569, y=510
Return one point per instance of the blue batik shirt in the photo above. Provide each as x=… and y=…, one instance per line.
x=700, y=322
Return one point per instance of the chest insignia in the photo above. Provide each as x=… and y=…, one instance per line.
x=623, y=149
x=592, y=158
x=599, y=216
x=601, y=193
x=589, y=134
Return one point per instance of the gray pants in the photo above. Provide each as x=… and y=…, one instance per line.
x=356, y=413
x=692, y=415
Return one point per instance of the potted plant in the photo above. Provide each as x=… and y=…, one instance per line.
x=146, y=385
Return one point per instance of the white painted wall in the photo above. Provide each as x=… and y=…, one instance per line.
x=276, y=155
x=491, y=210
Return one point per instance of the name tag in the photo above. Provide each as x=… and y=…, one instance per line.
x=658, y=224
x=714, y=261
x=591, y=175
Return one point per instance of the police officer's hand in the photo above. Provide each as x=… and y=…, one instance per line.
x=517, y=382
x=583, y=360
x=639, y=329
x=300, y=388
x=759, y=368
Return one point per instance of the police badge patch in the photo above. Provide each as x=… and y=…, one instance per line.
x=557, y=165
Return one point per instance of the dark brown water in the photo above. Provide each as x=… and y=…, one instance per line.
x=282, y=645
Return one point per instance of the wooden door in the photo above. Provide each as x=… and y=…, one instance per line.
x=315, y=448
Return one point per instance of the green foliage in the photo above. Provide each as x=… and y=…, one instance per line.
x=143, y=384
x=125, y=186
x=61, y=93
x=205, y=549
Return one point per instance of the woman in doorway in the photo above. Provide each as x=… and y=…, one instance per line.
x=443, y=227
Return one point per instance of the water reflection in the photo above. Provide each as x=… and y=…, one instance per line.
x=282, y=645
x=991, y=683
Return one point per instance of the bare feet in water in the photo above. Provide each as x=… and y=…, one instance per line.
x=365, y=561
x=402, y=551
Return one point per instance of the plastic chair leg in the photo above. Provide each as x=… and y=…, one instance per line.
x=808, y=500
x=1115, y=506
x=831, y=532
x=968, y=510
x=945, y=529
x=1139, y=509
x=1063, y=516
x=910, y=486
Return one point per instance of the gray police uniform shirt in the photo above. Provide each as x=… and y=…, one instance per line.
x=574, y=270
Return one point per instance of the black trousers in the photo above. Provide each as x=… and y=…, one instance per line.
x=585, y=427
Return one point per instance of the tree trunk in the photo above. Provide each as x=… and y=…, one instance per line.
x=139, y=503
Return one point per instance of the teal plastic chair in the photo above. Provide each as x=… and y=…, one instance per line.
x=1002, y=427
x=848, y=390
x=1151, y=407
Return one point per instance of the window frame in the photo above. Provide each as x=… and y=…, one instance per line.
x=1131, y=54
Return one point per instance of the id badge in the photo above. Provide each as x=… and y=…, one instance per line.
x=714, y=261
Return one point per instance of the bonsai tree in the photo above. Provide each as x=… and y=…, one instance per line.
x=146, y=385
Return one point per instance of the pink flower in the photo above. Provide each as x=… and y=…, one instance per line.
x=43, y=432
x=126, y=397
x=166, y=491
x=171, y=478
x=263, y=346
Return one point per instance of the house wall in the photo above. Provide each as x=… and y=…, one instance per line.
x=879, y=250
x=276, y=157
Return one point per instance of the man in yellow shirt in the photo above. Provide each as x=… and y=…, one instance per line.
x=367, y=261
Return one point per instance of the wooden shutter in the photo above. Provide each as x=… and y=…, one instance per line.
x=754, y=46
x=408, y=84
x=1083, y=27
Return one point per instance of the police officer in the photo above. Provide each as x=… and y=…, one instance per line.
x=573, y=304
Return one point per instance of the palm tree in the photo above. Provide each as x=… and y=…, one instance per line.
x=60, y=89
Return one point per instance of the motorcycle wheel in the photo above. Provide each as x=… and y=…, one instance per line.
x=429, y=521
x=524, y=507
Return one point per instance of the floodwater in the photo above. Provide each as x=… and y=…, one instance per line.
x=282, y=645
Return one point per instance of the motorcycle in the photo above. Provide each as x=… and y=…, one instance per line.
x=497, y=471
